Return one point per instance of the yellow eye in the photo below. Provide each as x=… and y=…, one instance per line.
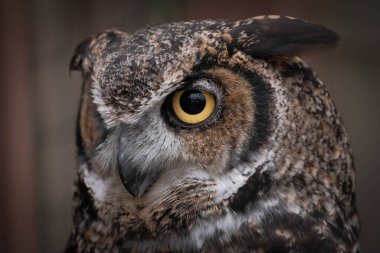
x=193, y=106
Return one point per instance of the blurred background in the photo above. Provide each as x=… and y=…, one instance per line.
x=39, y=99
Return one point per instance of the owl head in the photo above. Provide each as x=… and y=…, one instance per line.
x=212, y=123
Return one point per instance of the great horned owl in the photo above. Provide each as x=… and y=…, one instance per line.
x=211, y=136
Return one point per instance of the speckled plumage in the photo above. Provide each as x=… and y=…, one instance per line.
x=270, y=171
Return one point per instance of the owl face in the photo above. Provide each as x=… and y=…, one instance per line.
x=187, y=129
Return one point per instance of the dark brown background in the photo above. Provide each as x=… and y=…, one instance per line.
x=38, y=98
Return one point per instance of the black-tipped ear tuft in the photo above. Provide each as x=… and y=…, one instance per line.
x=81, y=58
x=92, y=49
x=277, y=35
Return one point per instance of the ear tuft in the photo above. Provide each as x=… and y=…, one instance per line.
x=90, y=50
x=279, y=35
x=81, y=55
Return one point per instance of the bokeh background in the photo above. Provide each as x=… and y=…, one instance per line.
x=39, y=98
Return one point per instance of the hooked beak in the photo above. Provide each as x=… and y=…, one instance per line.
x=135, y=180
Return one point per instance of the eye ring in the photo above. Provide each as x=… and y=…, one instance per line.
x=193, y=106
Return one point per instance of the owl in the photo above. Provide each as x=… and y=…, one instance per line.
x=210, y=136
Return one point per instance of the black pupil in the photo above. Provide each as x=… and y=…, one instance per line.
x=192, y=102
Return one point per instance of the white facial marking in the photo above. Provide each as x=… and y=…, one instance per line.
x=228, y=184
x=98, y=186
x=231, y=222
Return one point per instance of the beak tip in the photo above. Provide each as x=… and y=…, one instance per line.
x=135, y=181
x=133, y=188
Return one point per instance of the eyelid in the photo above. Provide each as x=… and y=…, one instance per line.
x=204, y=84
